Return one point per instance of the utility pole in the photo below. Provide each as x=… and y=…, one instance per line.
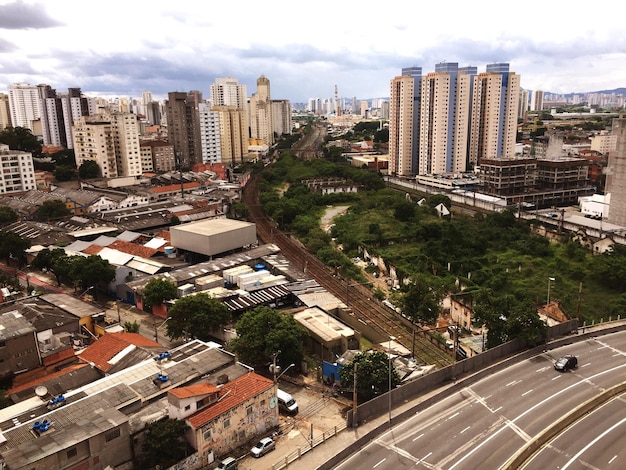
x=355, y=422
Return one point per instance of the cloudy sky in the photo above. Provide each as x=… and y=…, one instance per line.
x=125, y=47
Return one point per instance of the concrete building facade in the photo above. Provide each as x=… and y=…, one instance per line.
x=233, y=134
x=5, y=115
x=210, y=139
x=261, y=118
x=401, y=126
x=18, y=172
x=281, y=113
x=616, y=175
x=228, y=92
x=183, y=127
x=24, y=105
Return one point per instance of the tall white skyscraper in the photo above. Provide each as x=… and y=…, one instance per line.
x=24, y=105
x=210, y=141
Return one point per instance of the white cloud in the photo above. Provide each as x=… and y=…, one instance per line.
x=126, y=47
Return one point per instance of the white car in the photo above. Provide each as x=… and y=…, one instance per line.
x=263, y=447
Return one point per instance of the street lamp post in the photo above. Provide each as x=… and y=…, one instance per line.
x=391, y=338
x=156, y=328
x=550, y=280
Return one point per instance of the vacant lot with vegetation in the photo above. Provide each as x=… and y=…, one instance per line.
x=495, y=260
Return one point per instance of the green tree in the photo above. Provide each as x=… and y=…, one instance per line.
x=91, y=271
x=52, y=209
x=7, y=215
x=65, y=157
x=164, y=444
x=89, y=169
x=64, y=173
x=157, y=291
x=21, y=138
x=13, y=247
x=196, y=316
x=262, y=332
x=131, y=327
x=404, y=211
x=372, y=374
x=420, y=301
x=53, y=260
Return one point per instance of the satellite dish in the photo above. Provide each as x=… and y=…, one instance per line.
x=41, y=391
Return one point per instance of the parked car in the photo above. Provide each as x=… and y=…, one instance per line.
x=229, y=463
x=566, y=363
x=263, y=447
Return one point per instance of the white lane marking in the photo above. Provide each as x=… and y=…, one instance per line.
x=581, y=451
x=526, y=393
x=497, y=409
x=585, y=365
x=418, y=437
x=529, y=410
x=465, y=429
x=454, y=415
x=614, y=457
x=557, y=377
x=543, y=368
x=513, y=383
x=425, y=457
x=379, y=463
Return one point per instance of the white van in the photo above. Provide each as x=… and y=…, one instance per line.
x=286, y=403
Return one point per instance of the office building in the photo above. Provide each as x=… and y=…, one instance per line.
x=24, y=106
x=183, y=127
x=210, y=141
x=260, y=106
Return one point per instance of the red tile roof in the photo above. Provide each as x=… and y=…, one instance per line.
x=232, y=394
x=132, y=249
x=109, y=345
x=194, y=390
x=33, y=383
x=175, y=187
x=93, y=249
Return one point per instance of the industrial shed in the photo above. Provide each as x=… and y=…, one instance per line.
x=213, y=236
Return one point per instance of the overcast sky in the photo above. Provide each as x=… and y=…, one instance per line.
x=125, y=47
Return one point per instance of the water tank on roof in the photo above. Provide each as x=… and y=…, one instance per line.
x=170, y=251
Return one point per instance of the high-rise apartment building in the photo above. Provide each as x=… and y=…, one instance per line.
x=157, y=155
x=210, y=141
x=24, y=106
x=18, y=172
x=112, y=141
x=281, y=116
x=444, y=120
x=523, y=104
x=494, y=114
x=616, y=175
x=59, y=111
x=228, y=92
x=261, y=120
x=233, y=134
x=401, y=126
x=183, y=128
x=536, y=101
x=5, y=115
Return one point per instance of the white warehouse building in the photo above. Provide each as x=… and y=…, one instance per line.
x=213, y=236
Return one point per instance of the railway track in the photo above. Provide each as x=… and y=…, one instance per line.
x=363, y=305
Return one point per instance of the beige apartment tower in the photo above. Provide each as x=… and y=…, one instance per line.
x=444, y=120
x=401, y=125
x=261, y=119
x=495, y=106
x=233, y=134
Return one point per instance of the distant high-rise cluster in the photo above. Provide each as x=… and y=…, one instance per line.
x=128, y=137
x=447, y=120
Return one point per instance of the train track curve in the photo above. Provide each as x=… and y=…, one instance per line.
x=363, y=305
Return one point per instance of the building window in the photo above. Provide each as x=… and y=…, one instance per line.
x=226, y=423
x=72, y=453
x=188, y=407
x=114, y=434
x=206, y=434
x=249, y=410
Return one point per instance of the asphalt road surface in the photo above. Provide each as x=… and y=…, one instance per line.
x=484, y=424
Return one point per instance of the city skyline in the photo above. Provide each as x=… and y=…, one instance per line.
x=127, y=48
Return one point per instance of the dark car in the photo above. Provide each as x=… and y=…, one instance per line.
x=263, y=447
x=566, y=363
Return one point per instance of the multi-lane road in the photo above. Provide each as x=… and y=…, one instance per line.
x=485, y=424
